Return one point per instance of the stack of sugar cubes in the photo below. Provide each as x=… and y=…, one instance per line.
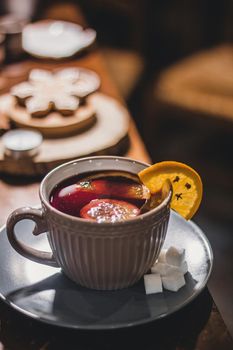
x=168, y=271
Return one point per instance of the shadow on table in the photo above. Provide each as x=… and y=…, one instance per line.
x=178, y=331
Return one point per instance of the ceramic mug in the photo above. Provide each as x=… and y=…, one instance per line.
x=95, y=255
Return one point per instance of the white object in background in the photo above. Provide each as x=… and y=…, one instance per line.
x=175, y=256
x=22, y=8
x=153, y=283
x=21, y=143
x=56, y=39
x=173, y=281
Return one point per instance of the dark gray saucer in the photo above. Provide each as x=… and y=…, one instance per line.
x=46, y=294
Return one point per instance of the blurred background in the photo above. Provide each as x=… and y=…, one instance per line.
x=173, y=64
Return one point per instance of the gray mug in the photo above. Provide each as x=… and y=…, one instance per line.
x=95, y=255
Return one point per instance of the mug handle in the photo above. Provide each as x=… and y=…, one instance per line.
x=35, y=215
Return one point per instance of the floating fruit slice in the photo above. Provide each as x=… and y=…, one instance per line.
x=71, y=198
x=109, y=210
x=119, y=187
x=186, y=184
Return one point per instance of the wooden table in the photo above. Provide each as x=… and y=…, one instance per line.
x=197, y=326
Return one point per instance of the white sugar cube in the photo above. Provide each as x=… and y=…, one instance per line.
x=162, y=256
x=175, y=256
x=162, y=268
x=153, y=283
x=173, y=281
x=183, y=267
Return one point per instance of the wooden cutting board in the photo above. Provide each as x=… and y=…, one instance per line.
x=54, y=125
x=107, y=136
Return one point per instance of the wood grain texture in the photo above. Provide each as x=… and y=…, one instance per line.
x=54, y=125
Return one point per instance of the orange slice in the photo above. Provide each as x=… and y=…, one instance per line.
x=186, y=184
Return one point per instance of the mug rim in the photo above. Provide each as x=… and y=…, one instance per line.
x=140, y=217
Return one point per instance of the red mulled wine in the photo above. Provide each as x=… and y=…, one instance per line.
x=102, y=197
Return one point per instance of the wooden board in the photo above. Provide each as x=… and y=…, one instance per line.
x=54, y=124
x=107, y=136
